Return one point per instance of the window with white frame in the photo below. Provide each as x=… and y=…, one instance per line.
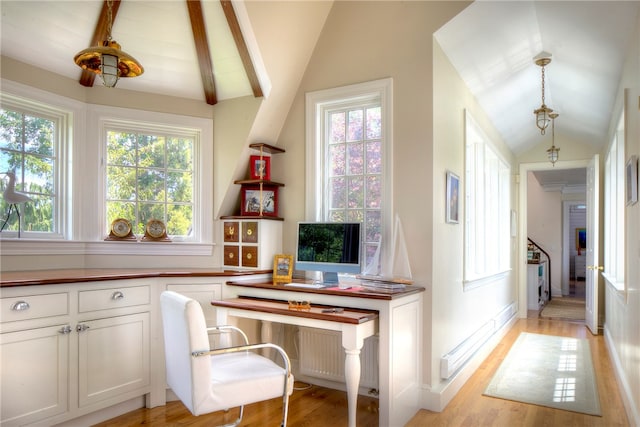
x=348, y=161
x=150, y=175
x=487, y=207
x=614, y=207
x=33, y=157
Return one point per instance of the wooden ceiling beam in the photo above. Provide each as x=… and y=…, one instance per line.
x=202, y=50
x=234, y=26
x=99, y=34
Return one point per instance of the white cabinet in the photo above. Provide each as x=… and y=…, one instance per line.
x=251, y=243
x=40, y=389
x=537, y=285
x=67, y=351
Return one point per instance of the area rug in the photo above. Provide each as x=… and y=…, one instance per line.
x=564, y=308
x=548, y=370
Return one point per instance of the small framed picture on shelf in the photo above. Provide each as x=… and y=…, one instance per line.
x=254, y=202
x=260, y=167
x=282, y=268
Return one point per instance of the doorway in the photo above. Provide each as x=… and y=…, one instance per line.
x=558, y=194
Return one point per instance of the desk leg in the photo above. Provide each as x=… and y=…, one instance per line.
x=352, y=379
x=266, y=335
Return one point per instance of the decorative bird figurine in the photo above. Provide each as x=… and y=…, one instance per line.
x=13, y=198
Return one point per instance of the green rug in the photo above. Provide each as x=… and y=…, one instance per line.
x=547, y=370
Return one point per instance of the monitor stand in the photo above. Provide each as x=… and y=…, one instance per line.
x=330, y=278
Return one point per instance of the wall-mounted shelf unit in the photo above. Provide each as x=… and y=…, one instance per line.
x=259, y=196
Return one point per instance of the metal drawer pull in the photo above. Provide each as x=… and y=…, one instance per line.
x=65, y=330
x=81, y=327
x=117, y=295
x=20, y=306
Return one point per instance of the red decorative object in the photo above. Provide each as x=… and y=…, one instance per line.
x=255, y=201
x=260, y=167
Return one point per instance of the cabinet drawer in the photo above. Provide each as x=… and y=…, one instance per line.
x=104, y=299
x=34, y=307
x=231, y=231
x=231, y=257
x=249, y=256
x=250, y=232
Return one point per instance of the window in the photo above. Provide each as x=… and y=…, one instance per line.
x=487, y=207
x=150, y=174
x=348, y=158
x=32, y=148
x=614, y=208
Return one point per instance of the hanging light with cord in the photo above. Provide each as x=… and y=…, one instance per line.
x=107, y=59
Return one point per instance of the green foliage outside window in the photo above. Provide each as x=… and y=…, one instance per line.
x=28, y=149
x=150, y=176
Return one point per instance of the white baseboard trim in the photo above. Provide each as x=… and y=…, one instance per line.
x=631, y=408
x=437, y=399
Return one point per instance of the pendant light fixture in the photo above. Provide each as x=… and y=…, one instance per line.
x=542, y=113
x=107, y=59
x=552, y=153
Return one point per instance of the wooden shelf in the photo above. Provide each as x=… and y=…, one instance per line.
x=273, y=218
x=266, y=148
x=258, y=182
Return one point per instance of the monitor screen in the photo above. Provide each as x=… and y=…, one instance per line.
x=331, y=248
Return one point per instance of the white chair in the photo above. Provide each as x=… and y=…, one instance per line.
x=212, y=380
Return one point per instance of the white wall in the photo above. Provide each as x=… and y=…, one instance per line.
x=622, y=309
x=428, y=138
x=544, y=226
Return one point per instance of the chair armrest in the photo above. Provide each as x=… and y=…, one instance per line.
x=223, y=328
x=280, y=350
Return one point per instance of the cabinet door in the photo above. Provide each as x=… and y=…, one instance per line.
x=231, y=256
x=34, y=375
x=113, y=357
x=250, y=232
x=249, y=256
x=231, y=231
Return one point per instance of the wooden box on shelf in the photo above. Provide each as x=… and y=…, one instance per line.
x=251, y=243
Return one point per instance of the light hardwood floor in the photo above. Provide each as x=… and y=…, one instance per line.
x=321, y=407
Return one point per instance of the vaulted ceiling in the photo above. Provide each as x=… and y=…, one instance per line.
x=490, y=43
x=188, y=48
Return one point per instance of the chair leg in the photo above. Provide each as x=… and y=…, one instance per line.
x=237, y=421
x=285, y=409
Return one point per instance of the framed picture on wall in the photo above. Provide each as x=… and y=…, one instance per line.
x=452, y=198
x=260, y=167
x=632, y=180
x=581, y=239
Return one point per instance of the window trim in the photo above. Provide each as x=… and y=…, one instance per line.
x=504, y=267
x=83, y=227
x=315, y=105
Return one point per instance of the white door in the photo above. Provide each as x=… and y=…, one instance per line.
x=592, y=256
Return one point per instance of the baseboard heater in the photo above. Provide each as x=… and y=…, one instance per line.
x=451, y=362
x=322, y=356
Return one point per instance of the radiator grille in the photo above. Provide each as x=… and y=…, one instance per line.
x=322, y=356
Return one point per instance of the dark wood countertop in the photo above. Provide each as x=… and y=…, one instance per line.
x=314, y=311
x=354, y=291
x=49, y=277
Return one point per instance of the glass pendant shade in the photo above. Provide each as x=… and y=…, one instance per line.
x=109, y=70
x=552, y=154
x=542, y=118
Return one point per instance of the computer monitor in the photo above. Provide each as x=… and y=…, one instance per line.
x=331, y=248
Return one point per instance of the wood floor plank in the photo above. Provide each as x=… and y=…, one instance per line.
x=321, y=407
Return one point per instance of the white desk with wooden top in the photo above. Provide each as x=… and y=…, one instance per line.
x=395, y=316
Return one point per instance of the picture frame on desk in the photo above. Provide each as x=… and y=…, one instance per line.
x=282, y=268
x=259, y=202
x=260, y=167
